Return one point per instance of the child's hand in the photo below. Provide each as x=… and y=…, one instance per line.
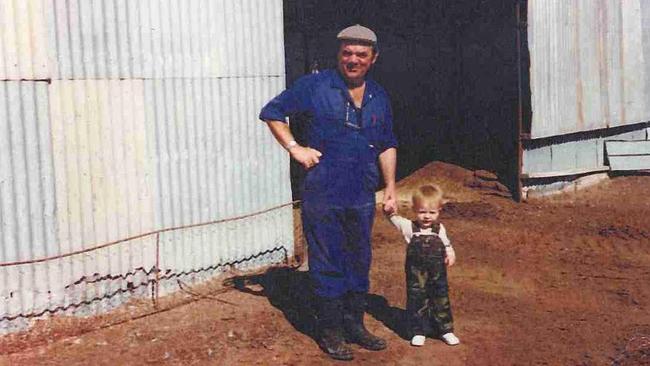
x=450, y=258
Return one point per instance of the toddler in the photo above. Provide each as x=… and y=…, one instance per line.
x=429, y=252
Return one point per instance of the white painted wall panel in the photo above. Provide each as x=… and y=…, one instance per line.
x=99, y=143
x=589, y=65
x=635, y=67
x=588, y=89
x=27, y=206
x=143, y=39
x=99, y=39
x=214, y=160
x=23, y=41
x=645, y=25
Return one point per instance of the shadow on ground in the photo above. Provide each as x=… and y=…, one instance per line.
x=289, y=291
x=392, y=317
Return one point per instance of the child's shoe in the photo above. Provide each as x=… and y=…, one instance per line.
x=450, y=339
x=418, y=340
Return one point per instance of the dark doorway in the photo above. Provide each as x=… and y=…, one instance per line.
x=450, y=67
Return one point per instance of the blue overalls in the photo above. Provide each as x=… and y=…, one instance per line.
x=338, y=205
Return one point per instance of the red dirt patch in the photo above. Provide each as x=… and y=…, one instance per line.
x=635, y=353
x=625, y=232
x=470, y=210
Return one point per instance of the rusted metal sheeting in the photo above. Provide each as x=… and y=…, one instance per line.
x=119, y=118
x=590, y=64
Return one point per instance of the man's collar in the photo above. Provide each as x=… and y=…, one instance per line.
x=338, y=82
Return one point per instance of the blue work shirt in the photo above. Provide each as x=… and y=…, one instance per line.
x=349, y=138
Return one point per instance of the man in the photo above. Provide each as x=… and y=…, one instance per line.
x=348, y=133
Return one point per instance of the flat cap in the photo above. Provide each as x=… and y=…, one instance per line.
x=359, y=33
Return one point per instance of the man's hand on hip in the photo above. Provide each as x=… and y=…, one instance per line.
x=306, y=156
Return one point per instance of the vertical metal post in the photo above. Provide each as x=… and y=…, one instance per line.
x=157, y=284
x=520, y=107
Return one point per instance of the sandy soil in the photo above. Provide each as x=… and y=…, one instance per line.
x=563, y=281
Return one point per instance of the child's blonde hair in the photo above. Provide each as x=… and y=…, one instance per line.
x=428, y=193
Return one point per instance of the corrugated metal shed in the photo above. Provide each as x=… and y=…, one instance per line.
x=121, y=118
x=590, y=64
x=645, y=25
x=590, y=83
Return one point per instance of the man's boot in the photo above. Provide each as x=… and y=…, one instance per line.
x=331, y=341
x=330, y=332
x=355, y=331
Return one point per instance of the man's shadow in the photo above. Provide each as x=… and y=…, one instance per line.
x=392, y=317
x=289, y=291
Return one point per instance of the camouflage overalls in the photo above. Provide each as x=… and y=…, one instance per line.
x=428, y=308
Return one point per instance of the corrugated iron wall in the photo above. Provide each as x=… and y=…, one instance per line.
x=120, y=118
x=590, y=64
x=645, y=24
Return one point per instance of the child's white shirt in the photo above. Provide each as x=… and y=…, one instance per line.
x=405, y=226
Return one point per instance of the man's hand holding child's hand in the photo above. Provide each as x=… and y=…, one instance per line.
x=390, y=202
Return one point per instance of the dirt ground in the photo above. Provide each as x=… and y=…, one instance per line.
x=559, y=281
